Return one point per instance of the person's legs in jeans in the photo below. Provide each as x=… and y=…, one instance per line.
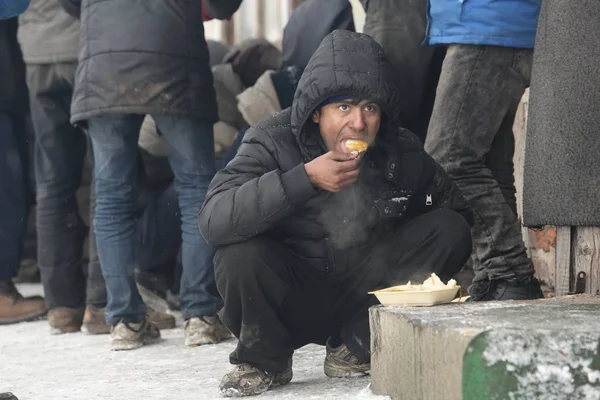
x=59, y=153
x=191, y=154
x=479, y=87
x=437, y=242
x=114, y=142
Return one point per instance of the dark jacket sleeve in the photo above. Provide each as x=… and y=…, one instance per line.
x=222, y=9
x=251, y=194
x=72, y=7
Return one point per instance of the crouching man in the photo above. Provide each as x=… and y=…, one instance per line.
x=305, y=224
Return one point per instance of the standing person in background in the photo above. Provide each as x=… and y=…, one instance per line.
x=13, y=178
x=49, y=37
x=136, y=58
x=400, y=26
x=485, y=72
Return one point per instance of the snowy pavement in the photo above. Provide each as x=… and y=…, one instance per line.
x=35, y=365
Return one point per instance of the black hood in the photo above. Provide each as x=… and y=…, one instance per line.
x=346, y=63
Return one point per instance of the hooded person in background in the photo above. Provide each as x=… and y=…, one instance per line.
x=136, y=58
x=305, y=227
x=486, y=70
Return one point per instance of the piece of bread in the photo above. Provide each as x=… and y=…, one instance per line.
x=356, y=145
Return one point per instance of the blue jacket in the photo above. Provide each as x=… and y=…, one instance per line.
x=507, y=23
x=12, y=8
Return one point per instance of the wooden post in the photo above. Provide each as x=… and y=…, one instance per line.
x=585, y=255
x=562, y=283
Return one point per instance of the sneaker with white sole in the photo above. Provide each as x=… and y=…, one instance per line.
x=130, y=336
x=207, y=329
x=340, y=362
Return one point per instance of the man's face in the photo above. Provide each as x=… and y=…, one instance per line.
x=348, y=119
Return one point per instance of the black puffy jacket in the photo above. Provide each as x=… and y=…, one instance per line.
x=144, y=57
x=265, y=189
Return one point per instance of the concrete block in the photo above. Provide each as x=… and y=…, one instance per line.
x=546, y=349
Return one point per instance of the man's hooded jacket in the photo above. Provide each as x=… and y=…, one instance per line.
x=265, y=190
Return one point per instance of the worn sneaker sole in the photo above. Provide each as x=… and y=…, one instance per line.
x=95, y=329
x=343, y=371
x=24, y=318
x=196, y=341
x=124, y=345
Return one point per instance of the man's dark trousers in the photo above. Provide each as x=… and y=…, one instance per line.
x=275, y=301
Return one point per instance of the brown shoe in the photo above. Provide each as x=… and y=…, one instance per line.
x=65, y=320
x=15, y=308
x=94, y=321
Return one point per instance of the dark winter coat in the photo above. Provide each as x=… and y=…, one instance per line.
x=562, y=168
x=265, y=188
x=13, y=89
x=143, y=57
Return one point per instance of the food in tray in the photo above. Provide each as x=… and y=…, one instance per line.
x=431, y=283
x=354, y=145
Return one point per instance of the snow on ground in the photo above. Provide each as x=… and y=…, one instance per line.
x=35, y=365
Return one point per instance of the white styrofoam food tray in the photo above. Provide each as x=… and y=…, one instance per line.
x=421, y=298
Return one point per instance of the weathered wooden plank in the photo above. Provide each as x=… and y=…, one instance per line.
x=563, y=261
x=586, y=255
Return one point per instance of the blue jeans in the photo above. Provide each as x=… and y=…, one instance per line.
x=158, y=239
x=191, y=155
x=13, y=194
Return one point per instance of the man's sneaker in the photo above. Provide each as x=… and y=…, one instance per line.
x=65, y=320
x=130, y=336
x=341, y=363
x=519, y=289
x=15, y=308
x=247, y=380
x=205, y=330
x=94, y=321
